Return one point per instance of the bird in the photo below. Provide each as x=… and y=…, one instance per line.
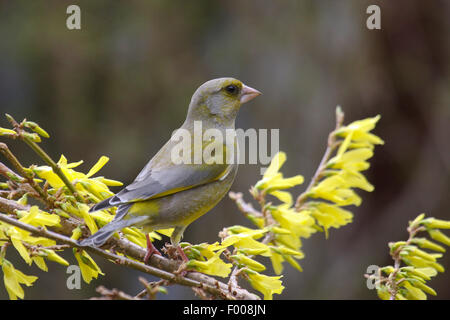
x=169, y=193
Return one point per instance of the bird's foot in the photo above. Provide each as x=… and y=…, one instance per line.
x=182, y=270
x=175, y=252
x=182, y=254
x=150, y=250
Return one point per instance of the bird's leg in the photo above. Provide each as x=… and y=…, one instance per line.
x=182, y=254
x=183, y=266
x=177, y=234
x=150, y=249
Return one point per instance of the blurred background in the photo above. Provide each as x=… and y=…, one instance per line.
x=122, y=84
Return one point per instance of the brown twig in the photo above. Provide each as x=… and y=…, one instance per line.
x=322, y=166
x=164, y=270
x=21, y=134
x=159, y=266
x=110, y=256
x=393, y=284
x=55, y=167
x=10, y=206
x=112, y=294
x=244, y=207
x=151, y=288
x=248, y=209
x=20, y=169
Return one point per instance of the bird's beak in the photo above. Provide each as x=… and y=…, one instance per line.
x=248, y=94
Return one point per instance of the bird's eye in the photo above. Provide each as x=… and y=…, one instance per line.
x=232, y=89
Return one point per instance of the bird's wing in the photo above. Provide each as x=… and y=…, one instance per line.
x=156, y=181
x=165, y=181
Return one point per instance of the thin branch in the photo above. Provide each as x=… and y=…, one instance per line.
x=8, y=173
x=159, y=266
x=209, y=284
x=151, y=288
x=248, y=209
x=322, y=166
x=21, y=134
x=244, y=207
x=397, y=261
x=20, y=169
x=110, y=256
x=10, y=206
x=112, y=294
x=55, y=167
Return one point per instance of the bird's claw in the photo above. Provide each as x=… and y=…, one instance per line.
x=151, y=250
x=182, y=254
x=182, y=270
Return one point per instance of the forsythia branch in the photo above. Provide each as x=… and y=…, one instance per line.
x=322, y=165
x=413, y=266
x=164, y=270
x=280, y=226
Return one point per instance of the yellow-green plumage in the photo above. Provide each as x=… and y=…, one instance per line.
x=167, y=194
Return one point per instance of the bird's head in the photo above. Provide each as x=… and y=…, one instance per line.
x=219, y=100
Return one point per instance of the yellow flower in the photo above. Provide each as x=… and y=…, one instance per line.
x=89, y=269
x=360, y=131
x=53, y=256
x=82, y=210
x=383, y=293
x=38, y=218
x=13, y=278
x=284, y=197
x=288, y=251
x=7, y=132
x=252, y=264
x=293, y=263
x=46, y=172
x=98, y=184
x=213, y=266
x=352, y=160
x=299, y=223
x=18, y=236
x=206, y=250
x=273, y=180
x=328, y=215
x=439, y=236
x=21, y=249
x=76, y=233
x=36, y=128
x=100, y=163
x=137, y=237
x=277, y=262
x=425, y=273
x=353, y=152
x=40, y=262
x=413, y=293
x=336, y=189
x=419, y=262
x=289, y=240
x=433, y=223
x=101, y=216
x=279, y=254
x=95, y=188
x=265, y=284
x=245, y=240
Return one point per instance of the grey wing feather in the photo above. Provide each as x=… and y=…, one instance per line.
x=170, y=180
x=163, y=181
x=102, y=235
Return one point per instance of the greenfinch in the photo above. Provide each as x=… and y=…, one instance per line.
x=169, y=193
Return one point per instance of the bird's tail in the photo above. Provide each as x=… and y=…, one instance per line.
x=105, y=204
x=102, y=235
